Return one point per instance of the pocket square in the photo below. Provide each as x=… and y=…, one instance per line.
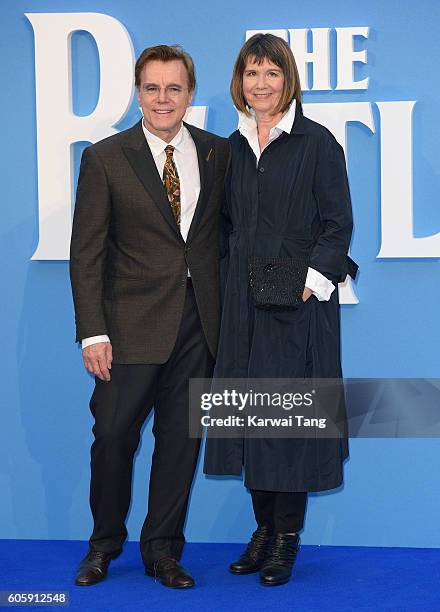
x=210, y=154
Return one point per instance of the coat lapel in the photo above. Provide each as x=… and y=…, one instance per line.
x=205, y=156
x=141, y=160
x=298, y=123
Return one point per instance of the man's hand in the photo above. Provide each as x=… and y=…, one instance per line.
x=306, y=294
x=98, y=359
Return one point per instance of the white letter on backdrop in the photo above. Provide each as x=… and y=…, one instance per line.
x=319, y=57
x=346, y=57
x=197, y=115
x=397, y=185
x=57, y=127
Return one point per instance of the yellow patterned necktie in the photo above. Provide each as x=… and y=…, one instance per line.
x=172, y=183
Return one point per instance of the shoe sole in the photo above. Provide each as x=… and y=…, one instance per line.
x=186, y=586
x=238, y=573
x=86, y=584
x=113, y=556
x=269, y=584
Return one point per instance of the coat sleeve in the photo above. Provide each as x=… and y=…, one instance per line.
x=88, y=248
x=329, y=255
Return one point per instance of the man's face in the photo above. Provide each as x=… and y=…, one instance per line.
x=164, y=97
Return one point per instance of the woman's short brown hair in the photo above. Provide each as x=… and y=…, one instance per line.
x=273, y=48
x=165, y=53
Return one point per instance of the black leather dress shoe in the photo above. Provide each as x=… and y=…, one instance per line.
x=253, y=557
x=170, y=573
x=93, y=568
x=277, y=568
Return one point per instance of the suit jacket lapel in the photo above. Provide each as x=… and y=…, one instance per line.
x=141, y=160
x=205, y=156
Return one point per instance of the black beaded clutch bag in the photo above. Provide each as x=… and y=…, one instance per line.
x=277, y=282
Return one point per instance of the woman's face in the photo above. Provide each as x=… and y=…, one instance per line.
x=262, y=85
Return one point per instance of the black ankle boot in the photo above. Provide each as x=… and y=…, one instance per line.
x=277, y=567
x=254, y=555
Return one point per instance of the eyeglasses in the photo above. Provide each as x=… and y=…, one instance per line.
x=172, y=90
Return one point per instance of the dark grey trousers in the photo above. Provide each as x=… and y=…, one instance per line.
x=120, y=408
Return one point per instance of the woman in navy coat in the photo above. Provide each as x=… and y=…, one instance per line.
x=287, y=197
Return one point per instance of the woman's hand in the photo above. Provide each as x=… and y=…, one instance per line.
x=306, y=294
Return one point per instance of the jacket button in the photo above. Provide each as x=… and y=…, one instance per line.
x=261, y=170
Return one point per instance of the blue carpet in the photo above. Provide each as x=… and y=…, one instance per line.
x=325, y=578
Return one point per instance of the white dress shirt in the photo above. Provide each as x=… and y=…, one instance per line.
x=319, y=285
x=185, y=158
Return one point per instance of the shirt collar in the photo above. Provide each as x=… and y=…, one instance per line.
x=248, y=124
x=157, y=145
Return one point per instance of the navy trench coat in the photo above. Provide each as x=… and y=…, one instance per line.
x=294, y=203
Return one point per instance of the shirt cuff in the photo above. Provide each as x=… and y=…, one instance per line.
x=319, y=285
x=94, y=340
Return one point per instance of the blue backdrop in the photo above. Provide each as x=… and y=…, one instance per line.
x=391, y=494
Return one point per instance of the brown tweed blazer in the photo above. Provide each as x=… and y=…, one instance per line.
x=128, y=261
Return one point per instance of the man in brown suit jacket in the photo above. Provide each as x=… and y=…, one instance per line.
x=144, y=272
